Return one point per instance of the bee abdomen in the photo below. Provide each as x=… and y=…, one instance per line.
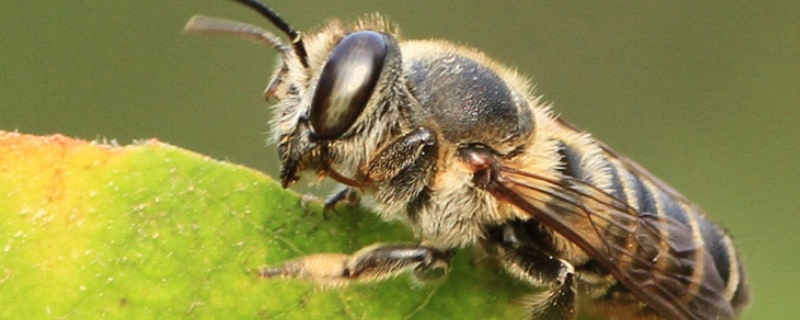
x=727, y=262
x=712, y=268
x=715, y=258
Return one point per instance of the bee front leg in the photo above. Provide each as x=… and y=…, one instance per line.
x=406, y=159
x=346, y=195
x=401, y=171
x=375, y=262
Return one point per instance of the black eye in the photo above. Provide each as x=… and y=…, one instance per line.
x=346, y=83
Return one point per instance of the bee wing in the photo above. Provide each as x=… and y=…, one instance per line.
x=652, y=256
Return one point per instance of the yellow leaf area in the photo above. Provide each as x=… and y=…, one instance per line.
x=151, y=231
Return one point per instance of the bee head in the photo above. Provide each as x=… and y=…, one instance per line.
x=324, y=92
x=346, y=83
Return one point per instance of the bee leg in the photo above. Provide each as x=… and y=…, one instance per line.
x=405, y=158
x=557, y=302
x=375, y=262
x=346, y=195
x=541, y=269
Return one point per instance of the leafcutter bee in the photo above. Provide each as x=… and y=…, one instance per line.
x=458, y=146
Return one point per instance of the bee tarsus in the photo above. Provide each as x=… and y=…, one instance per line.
x=345, y=195
x=378, y=261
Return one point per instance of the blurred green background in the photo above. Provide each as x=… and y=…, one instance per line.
x=705, y=95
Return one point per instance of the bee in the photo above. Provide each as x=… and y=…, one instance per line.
x=459, y=147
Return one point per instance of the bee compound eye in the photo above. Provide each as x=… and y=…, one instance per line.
x=346, y=83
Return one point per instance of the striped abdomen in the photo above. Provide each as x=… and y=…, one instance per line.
x=708, y=279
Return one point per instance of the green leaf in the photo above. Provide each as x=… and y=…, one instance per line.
x=151, y=231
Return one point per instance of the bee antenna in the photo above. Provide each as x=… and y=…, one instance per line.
x=294, y=36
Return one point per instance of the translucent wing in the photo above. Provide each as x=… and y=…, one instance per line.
x=654, y=257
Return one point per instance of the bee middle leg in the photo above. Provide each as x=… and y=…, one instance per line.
x=531, y=265
x=535, y=266
x=375, y=262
